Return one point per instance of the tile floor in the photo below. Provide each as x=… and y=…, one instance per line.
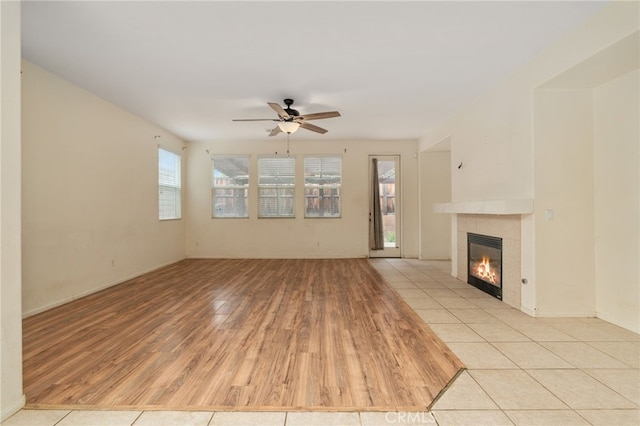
x=520, y=370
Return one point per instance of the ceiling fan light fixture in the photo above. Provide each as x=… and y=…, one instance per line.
x=289, y=126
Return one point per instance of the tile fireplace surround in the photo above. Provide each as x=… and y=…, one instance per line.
x=506, y=227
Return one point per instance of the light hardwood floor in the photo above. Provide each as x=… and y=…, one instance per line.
x=238, y=334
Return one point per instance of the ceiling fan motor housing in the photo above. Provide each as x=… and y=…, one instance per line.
x=292, y=112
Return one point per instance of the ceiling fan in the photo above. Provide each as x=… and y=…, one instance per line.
x=289, y=119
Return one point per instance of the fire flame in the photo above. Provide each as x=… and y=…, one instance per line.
x=483, y=271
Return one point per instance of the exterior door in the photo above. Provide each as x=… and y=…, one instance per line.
x=388, y=197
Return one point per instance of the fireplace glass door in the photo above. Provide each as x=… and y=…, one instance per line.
x=485, y=263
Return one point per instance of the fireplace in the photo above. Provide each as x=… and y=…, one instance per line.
x=484, y=254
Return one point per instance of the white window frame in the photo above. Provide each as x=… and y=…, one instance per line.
x=234, y=187
x=280, y=190
x=170, y=185
x=321, y=187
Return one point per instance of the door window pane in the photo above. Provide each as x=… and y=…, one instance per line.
x=387, y=182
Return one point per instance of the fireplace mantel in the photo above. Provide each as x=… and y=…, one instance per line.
x=521, y=206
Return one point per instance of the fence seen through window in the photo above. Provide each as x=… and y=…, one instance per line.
x=276, y=187
x=230, y=186
x=322, y=186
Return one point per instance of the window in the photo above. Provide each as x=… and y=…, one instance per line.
x=322, y=182
x=230, y=186
x=169, y=189
x=276, y=187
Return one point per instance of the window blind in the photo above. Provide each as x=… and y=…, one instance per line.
x=230, y=185
x=169, y=185
x=276, y=187
x=322, y=186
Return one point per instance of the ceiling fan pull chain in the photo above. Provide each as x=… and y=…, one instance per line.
x=288, y=134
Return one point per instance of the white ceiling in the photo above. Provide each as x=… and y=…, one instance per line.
x=393, y=69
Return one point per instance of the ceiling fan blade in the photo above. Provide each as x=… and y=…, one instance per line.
x=312, y=127
x=255, y=119
x=277, y=108
x=320, y=115
x=275, y=131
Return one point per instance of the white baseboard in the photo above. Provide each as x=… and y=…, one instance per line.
x=585, y=314
x=323, y=256
x=619, y=323
x=11, y=409
x=95, y=290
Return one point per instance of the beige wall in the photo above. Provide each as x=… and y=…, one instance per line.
x=11, y=397
x=90, y=194
x=563, y=170
x=586, y=119
x=435, y=187
x=496, y=139
x=492, y=136
x=617, y=200
x=90, y=197
x=297, y=237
